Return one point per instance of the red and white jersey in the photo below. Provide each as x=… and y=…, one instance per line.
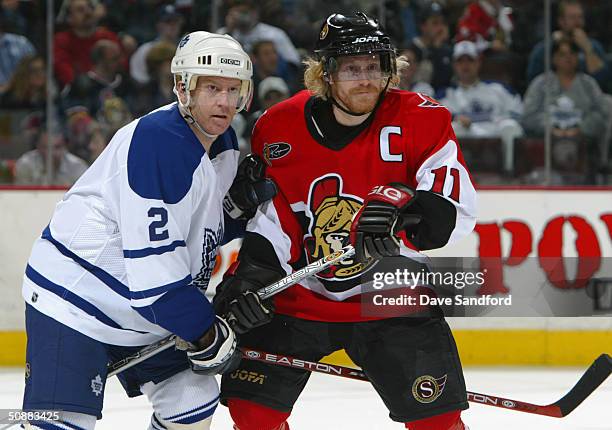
x=409, y=140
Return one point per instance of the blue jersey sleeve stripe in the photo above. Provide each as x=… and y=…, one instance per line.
x=135, y=295
x=109, y=280
x=72, y=298
x=145, y=252
x=184, y=311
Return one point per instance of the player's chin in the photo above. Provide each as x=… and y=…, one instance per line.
x=219, y=123
x=363, y=104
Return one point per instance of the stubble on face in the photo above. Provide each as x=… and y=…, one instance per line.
x=357, y=96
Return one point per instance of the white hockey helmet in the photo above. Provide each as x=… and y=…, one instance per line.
x=208, y=54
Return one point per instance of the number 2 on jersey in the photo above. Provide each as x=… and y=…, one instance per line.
x=154, y=233
x=440, y=180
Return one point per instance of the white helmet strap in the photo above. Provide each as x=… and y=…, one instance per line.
x=185, y=109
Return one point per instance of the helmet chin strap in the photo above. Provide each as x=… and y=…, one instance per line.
x=349, y=112
x=185, y=110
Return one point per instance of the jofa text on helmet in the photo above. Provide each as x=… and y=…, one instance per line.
x=366, y=39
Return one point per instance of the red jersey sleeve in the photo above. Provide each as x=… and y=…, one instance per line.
x=275, y=220
x=441, y=170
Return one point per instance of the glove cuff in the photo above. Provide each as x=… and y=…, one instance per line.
x=396, y=194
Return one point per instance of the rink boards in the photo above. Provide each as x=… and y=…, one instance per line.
x=517, y=223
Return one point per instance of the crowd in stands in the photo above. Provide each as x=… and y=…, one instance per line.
x=482, y=59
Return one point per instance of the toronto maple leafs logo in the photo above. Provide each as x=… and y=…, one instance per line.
x=184, y=41
x=209, y=255
x=97, y=385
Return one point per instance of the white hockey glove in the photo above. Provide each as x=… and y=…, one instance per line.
x=220, y=355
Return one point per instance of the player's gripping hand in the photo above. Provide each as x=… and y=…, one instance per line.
x=382, y=215
x=236, y=298
x=215, y=353
x=249, y=189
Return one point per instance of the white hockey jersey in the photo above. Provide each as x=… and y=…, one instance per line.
x=132, y=239
x=483, y=102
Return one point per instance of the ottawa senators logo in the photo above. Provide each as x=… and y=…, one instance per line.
x=331, y=213
x=427, y=389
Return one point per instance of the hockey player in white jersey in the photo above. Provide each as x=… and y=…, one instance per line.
x=130, y=249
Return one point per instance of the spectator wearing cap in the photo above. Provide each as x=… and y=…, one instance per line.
x=482, y=109
x=242, y=23
x=31, y=167
x=169, y=26
x=271, y=91
x=72, y=47
x=488, y=24
x=408, y=82
x=13, y=48
x=436, y=66
x=102, y=82
x=591, y=54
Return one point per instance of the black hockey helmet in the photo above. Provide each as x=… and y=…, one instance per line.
x=358, y=34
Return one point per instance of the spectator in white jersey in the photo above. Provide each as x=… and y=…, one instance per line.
x=482, y=109
x=129, y=252
x=31, y=167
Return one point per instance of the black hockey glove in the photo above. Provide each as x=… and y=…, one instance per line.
x=236, y=298
x=216, y=352
x=249, y=189
x=380, y=218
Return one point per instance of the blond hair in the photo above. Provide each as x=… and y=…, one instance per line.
x=315, y=81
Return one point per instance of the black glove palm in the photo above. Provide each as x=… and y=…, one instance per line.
x=236, y=296
x=249, y=189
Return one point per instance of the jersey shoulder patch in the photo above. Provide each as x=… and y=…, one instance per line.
x=163, y=155
x=284, y=114
x=428, y=102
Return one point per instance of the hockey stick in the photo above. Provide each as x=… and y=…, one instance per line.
x=263, y=293
x=594, y=376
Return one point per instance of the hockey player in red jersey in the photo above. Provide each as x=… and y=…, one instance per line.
x=354, y=161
